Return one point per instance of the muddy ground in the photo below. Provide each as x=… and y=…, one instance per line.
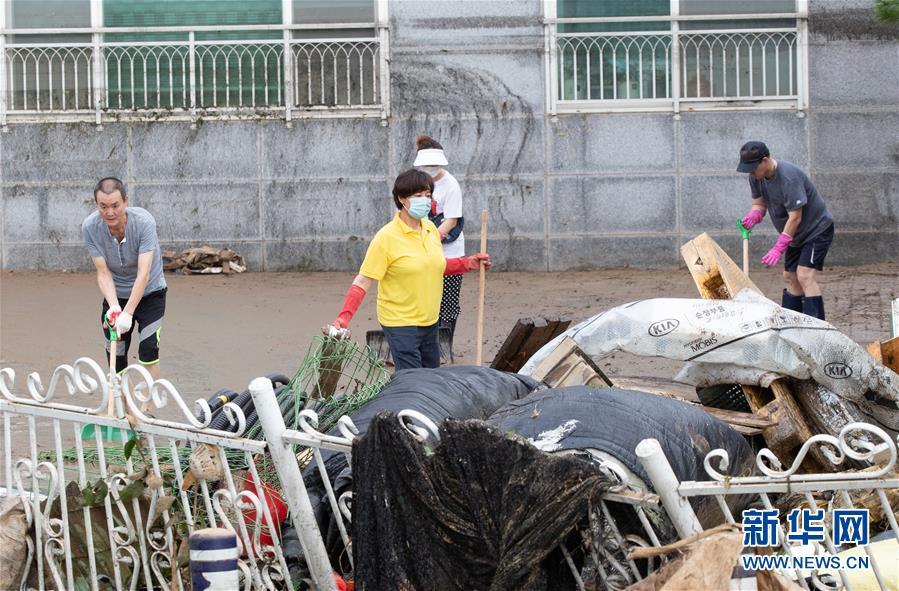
x=224, y=331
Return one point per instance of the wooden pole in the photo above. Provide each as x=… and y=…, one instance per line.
x=479, y=359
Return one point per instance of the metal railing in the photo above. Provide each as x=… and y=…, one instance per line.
x=692, y=63
x=113, y=496
x=106, y=79
x=777, y=487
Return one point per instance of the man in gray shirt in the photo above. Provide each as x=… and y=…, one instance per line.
x=799, y=214
x=124, y=247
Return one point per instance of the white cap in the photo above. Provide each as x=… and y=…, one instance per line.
x=430, y=157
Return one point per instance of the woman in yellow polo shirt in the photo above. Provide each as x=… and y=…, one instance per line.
x=406, y=258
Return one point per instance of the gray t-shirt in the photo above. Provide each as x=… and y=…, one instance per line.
x=789, y=190
x=121, y=257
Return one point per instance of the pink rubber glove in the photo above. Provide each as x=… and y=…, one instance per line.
x=753, y=218
x=778, y=250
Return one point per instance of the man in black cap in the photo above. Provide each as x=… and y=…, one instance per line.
x=799, y=214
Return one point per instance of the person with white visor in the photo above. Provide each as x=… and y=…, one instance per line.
x=446, y=213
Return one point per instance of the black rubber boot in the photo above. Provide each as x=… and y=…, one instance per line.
x=813, y=306
x=791, y=302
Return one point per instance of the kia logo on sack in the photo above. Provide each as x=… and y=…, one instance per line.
x=663, y=327
x=837, y=370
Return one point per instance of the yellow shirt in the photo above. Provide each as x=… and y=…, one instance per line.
x=408, y=265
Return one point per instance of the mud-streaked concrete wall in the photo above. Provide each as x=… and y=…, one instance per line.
x=571, y=192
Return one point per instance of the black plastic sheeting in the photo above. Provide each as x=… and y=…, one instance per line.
x=460, y=392
x=483, y=511
x=615, y=421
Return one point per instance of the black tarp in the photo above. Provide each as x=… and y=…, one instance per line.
x=615, y=421
x=483, y=511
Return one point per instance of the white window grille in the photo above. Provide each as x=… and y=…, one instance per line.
x=308, y=65
x=675, y=55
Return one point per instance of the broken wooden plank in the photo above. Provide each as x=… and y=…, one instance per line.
x=539, y=336
x=330, y=367
x=526, y=338
x=889, y=351
x=744, y=430
x=875, y=352
x=568, y=365
x=716, y=275
x=745, y=419
x=510, y=347
x=562, y=324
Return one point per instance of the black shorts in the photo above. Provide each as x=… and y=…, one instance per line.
x=811, y=254
x=147, y=322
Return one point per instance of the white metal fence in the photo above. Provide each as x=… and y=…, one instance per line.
x=693, y=63
x=114, y=497
x=782, y=488
x=103, y=79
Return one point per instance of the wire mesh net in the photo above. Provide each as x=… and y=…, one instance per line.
x=336, y=377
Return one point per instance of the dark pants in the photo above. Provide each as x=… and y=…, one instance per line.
x=413, y=346
x=147, y=323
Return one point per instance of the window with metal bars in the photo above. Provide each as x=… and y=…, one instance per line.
x=655, y=52
x=160, y=65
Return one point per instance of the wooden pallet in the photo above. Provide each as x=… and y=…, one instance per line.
x=718, y=277
x=526, y=338
x=567, y=365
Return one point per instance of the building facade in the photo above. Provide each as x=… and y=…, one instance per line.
x=597, y=133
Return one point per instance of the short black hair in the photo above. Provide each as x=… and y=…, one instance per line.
x=410, y=182
x=109, y=185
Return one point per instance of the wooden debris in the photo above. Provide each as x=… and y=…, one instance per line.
x=330, y=368
x=717, y=276
x=886, y=353
x=707, y=562
x=567, y=365
x=526, y=338
x=746, y=423
x=203, y=260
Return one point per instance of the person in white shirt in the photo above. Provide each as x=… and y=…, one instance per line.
x=446, y=213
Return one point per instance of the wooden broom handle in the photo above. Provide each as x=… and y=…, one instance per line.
x=482, y=284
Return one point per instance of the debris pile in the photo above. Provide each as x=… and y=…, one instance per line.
x=203, y=260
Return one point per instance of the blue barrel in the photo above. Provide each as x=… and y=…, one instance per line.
x=213, y=560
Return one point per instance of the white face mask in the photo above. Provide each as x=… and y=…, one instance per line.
x=430, y=170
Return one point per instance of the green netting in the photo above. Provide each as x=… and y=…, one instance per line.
x=335, y=378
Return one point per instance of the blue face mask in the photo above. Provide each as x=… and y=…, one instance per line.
x=419, y=207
